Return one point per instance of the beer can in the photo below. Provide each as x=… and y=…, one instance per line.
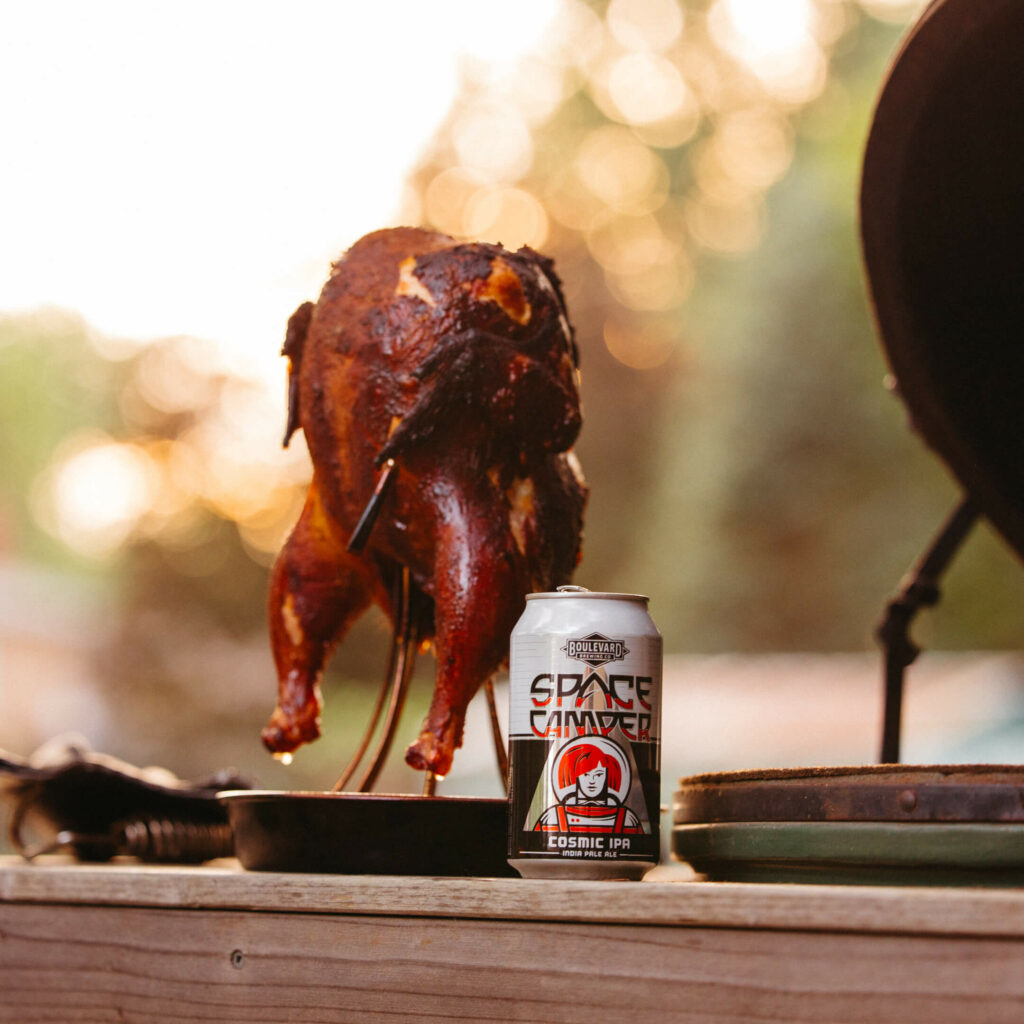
x=584, y=736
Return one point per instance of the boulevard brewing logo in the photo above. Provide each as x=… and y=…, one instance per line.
x=595, y=650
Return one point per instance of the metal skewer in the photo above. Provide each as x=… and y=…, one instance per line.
x=500, y=750
x=396, y=683
x=364, y=745
x=385, y=481
x=405, y=643
x=403, y=647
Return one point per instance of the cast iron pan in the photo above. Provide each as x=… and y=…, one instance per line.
x=903, y=793
x=368, y=833
x=877, y=824
x=942, y=224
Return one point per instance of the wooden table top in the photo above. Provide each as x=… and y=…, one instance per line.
x=224, y=885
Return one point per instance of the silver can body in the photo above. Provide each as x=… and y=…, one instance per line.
x=584, y=737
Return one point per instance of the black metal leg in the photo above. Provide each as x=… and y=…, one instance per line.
x=920, y=589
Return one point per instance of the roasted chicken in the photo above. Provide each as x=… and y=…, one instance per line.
x=453, y=368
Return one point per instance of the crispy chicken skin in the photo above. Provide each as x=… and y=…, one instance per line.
x=457, y=361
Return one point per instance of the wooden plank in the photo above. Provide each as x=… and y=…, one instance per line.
x=130, y=964
x=923, y=911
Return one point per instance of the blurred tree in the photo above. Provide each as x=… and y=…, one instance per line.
x=693, y=168
x=52, y=386
x=797, y=493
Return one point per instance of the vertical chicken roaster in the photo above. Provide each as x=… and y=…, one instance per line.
x=448, y=370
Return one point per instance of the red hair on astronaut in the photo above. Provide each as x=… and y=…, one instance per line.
x=584, y=758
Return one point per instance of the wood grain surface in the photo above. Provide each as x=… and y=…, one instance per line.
x=147, y=944
x=924, y=910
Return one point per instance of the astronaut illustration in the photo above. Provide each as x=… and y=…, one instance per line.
x=591, y=779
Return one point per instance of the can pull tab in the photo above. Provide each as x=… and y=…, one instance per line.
x=568, y=589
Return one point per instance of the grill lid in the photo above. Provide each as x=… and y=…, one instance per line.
x=942, y=224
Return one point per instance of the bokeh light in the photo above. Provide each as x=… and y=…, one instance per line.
x=726, y=227
x=646, y=88
x=619, y=170
x=511, y=216
x=96, y=492
x=776, y=41
x=653, y=25
x=626, y=244
x=637, y=345
x=446, y=197
x=494, y=141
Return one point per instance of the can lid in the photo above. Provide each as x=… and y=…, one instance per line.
x=574, y=591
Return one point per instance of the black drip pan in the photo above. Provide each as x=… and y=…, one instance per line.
x=368, y=833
